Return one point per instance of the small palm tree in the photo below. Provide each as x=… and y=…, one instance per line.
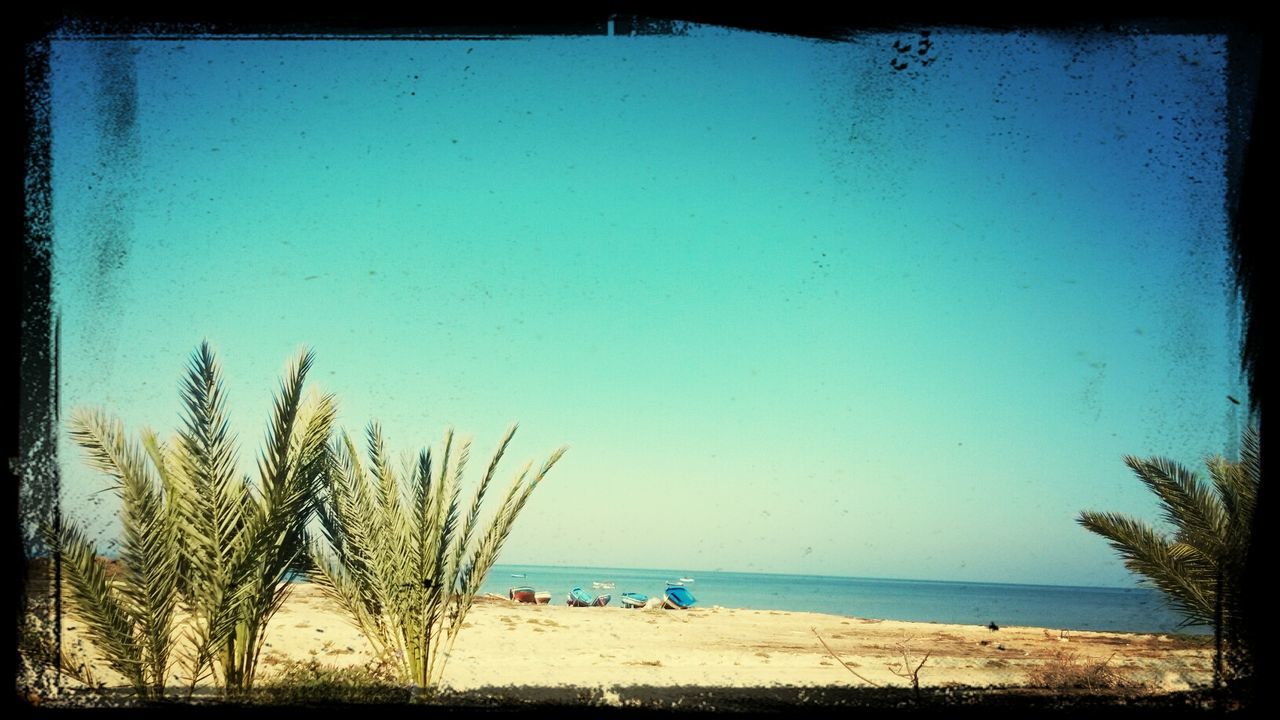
x=1203, y=561
x=243, y=541
x=196, y=535
x=400, y=561
x=130, y=619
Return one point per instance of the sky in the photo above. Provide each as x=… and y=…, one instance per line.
x=792, y=309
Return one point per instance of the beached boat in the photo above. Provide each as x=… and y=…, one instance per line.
x=600, y=601
x=542, y=596
x=678, y=598
x=580, y=598
x=633, y=600
x=521, y=594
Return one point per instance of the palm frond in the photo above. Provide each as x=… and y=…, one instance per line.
x=429, y=502
x=273, y=463
x=197, y=532
x=173, y=487
x=150, y=548
x=1237, y=495
x=149, y=555
x=1182, y=572
x=443, y=528
x=447, y=523
x=213, y=509
x=1204, y=560
x=348, y=593
x=473, y=513
x=1251, y=454
x=396, y=567
x=391, y=553
x=91, y=598
x=1188, y=504
x=292, y=468
x=508, y=515
x=338, y=495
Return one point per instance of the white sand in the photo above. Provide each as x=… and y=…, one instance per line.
x=505, y=644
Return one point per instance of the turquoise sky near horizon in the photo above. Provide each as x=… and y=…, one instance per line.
x=792, y=310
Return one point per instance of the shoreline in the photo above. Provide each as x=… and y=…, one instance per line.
x=504, y=644
x=112, y=567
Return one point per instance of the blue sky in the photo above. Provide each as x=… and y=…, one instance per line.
x=792, y=310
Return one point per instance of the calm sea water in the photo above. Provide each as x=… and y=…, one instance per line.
x=1070, y=608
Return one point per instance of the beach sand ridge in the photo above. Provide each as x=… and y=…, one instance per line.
x=504, y=644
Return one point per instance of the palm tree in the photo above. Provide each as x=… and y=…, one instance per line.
x=196, y=535
x=244, y=540
x=398, y=561
x=131, y=619
x=1200, y=565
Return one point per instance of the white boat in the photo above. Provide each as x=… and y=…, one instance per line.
x=603, y=585
x=685, y=580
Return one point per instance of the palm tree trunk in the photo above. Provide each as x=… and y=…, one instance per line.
x=1217, y=633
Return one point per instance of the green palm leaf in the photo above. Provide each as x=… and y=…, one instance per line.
x=1187, y=504
x=1201, y=564
x=213, y=510
x=198, y=534
x=108, y=622
x=397, y=567
x=150, y=547
x=1179, y=571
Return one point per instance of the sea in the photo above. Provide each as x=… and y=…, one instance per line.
x=1135, y=609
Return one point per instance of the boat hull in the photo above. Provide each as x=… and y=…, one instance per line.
x=542, y=597
x=678, y=598
x=579, y=598
x=521, y=594
x=633, y=600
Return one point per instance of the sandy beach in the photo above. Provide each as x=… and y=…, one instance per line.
x=505, y=644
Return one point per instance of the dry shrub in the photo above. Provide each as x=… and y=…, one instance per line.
x=311, y=681
x=1064, y=669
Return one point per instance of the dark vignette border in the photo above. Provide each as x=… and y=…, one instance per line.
x=33, y=469
x=32, y=464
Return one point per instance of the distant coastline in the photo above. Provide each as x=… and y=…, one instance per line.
x=1137, y=610
x=1133, y=609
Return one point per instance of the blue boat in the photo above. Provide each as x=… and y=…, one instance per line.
x=580, y=598
x=633, y=600
x=678, y=598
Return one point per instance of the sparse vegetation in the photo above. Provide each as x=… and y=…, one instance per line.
x=909, y=668
x=311, y=681
x=195, y=535
x=401, y=562
x=845, y=665
x=1065, y=670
